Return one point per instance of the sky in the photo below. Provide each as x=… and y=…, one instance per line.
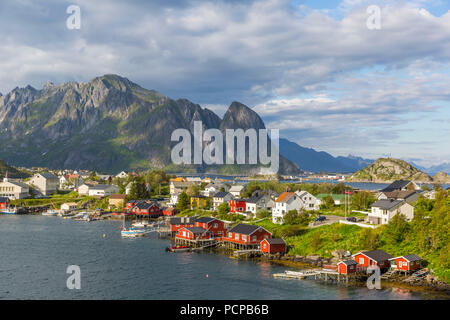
x=311, y=68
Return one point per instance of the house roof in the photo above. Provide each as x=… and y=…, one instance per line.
x=387, y=204
x=399, y=194
x=118, y=196
x=237, y=188
x=285, y=197
x=376, y=255
x=244, y=228
x=179, y=220
x=221, y=194
x=409, y=257
x=144, y=205
x=195, y=230
x=48, y=175
x=275, y=241
x=101, y=186
x=396, y=185
x=348, y=262
x=3, y=199
x=205, y=219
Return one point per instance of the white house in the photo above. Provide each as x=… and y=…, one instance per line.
x=103, y=190
x=236, y=190
x=174, y=199
x=121, y=175
x=13, y=189
x=221, y=197
x=45, y=182
x=128, y=188
x=83, y=190
x=383, y=210
x=285, y=202
x=258, y=202
x=213, y=188
x=309, y=201
x=69, y=206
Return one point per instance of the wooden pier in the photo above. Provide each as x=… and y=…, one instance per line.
x=327, y=276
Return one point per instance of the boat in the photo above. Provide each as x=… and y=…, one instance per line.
x=50, y=213
x=132, y=232
x=420, y=273
x=10, y=210
x=141, y=224
x=178, y=249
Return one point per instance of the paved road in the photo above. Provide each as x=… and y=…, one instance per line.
x=330, y=220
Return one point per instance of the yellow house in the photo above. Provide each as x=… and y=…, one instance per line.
x=117, y=200
x=198, y=202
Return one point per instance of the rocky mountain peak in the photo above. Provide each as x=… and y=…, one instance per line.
x=239, y=116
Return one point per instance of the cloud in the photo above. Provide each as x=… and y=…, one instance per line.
x=262, y=52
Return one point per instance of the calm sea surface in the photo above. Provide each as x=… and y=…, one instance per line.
x=35, y=252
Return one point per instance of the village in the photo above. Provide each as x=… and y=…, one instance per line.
x=202, y=213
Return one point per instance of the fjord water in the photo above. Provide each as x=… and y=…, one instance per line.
x=35, y=252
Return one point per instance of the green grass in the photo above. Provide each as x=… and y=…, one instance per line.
x=323, y=240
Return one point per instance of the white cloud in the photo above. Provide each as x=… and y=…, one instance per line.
x=320, y=66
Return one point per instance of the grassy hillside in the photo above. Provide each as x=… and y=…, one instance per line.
x=12, y=172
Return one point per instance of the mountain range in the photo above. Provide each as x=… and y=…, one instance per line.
x=111, y=124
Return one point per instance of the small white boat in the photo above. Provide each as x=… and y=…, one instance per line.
x=50, y=213
x=132, y=232
x=10, y=210
x=141, y=224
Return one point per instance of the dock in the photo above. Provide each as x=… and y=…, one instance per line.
x=325, y=275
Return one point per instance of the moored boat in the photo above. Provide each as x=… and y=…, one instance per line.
x=132, y=232
x=50, y=213
x=9, y=210
x=178, y=249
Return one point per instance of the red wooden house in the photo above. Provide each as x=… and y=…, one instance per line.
x=246, y=235
x=4, y=202
x=411, y=262
x=193, y=233
x=181, y=222
x=273, y=245
x=170, y=211
x=131, y=204
x=365, y=259
x=149, y=209
x=347, y=266
x=215, y=226
x=237, y=205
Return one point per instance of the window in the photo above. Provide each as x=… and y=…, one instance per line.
x=236, y=236
x=361, y=260
x=216, y=225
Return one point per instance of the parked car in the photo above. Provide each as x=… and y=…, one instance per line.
x=351, y=219
x=321, y=218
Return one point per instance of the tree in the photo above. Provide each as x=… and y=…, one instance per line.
x=223, y=209
x=263, y=213
x=327, y=202
x=368, y=239
x=362, y=200
x=291, y=217
x=193, y=190
x=397, y=229
x=138, y=190
x=183, y=202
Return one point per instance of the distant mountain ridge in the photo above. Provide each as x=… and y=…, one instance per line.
x=309, y=159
